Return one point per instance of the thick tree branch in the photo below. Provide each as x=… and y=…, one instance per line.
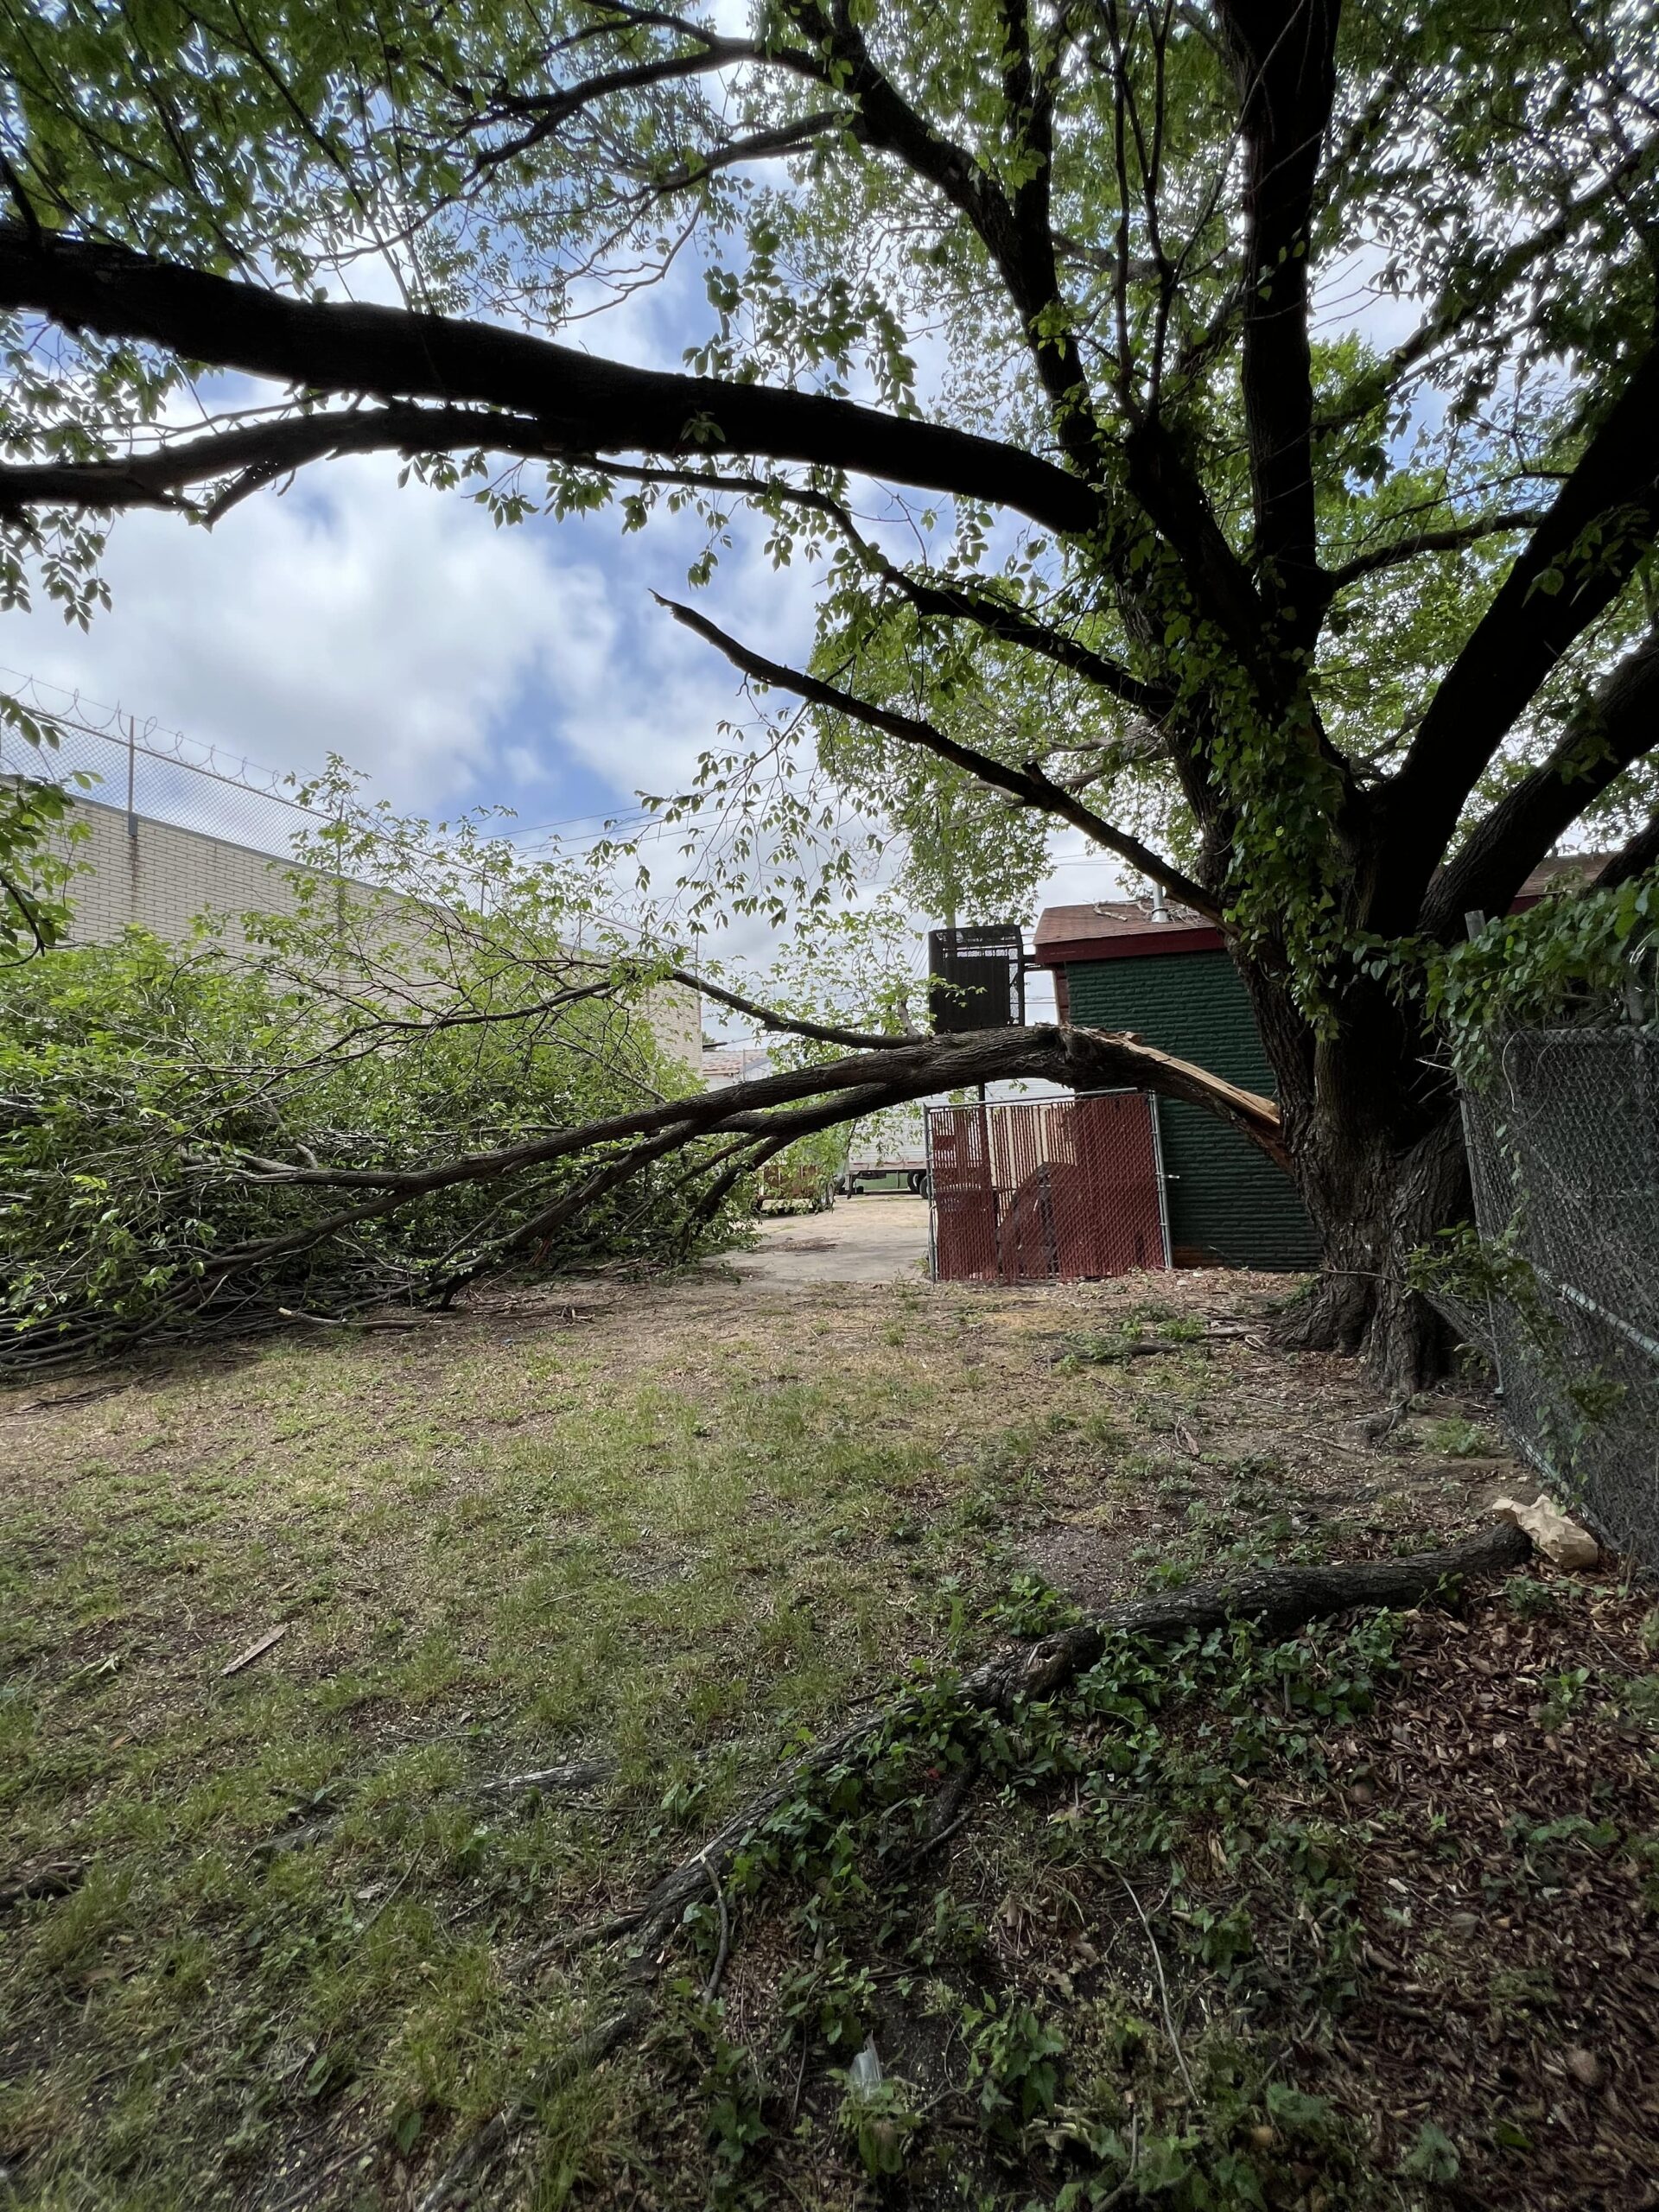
x=549, y=111
x=1617, y=725
x=1633, y=859
x=1029, y=783
x=1080, y=1059
x=1572, y=567
x=1283, y=57
x=585, y=404
x=263, y=450
x=759, y=146
x=889, y=123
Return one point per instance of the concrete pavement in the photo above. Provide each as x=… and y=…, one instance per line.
x=859, y=1240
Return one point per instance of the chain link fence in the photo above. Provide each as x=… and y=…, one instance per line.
x=153, y=774
x=1046, y=1190
x=1563, y=1138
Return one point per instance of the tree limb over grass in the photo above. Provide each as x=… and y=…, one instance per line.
x=895, y=1074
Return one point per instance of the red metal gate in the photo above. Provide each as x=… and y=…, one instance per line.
x=1045, y=1189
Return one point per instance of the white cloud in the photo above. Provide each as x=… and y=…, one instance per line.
x=396, y=628
x=455, y=664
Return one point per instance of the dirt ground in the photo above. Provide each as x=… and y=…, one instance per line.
x=1365, y=1920
x=858, y=1240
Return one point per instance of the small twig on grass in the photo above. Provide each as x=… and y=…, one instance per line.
x=347, y=1320
x=397, y=1886
x=800, y=2079
x=257, y=1649
x=954, y=1813
x=1163, y=1986
x=711, y=1987
x=73, y=1398
x=924, y=1850
x=1117, y=2195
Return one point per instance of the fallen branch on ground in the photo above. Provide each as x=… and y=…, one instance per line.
x=576, y=1774
x=1277, y=1599
x=326, y=1233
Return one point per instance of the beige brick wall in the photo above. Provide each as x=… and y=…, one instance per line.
x=159, y=878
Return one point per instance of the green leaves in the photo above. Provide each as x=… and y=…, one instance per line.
x=1585, y=958
x=38, y=838
x=422, y=999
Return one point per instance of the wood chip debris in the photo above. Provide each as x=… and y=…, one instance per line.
x=255, y=1651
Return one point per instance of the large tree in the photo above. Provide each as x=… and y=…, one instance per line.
x=1332, y=630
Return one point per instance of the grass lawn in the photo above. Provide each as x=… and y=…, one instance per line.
x=1363, y=1920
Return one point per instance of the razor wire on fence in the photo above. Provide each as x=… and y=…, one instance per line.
x=1563, y=1134
x=151, y=774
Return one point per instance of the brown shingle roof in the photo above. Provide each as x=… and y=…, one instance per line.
x=1108, y=929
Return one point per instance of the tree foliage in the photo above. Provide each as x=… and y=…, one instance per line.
x=1577, y=959
x=154, y=1101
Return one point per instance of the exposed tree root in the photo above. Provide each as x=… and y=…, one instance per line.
x=1277, y=1599
x=481, y=2149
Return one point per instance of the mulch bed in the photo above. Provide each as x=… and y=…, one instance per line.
x=1512, y=1996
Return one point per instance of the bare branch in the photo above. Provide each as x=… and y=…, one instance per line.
x=821, y=1032
x=1029, y=783
x=1451, y=539
x=960, y=602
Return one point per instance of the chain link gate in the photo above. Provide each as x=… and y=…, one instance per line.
x=1046, y=1190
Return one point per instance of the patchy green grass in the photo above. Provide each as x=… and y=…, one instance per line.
x=271, y=1940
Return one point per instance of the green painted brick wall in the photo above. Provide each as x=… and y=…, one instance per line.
x=1228, y=1204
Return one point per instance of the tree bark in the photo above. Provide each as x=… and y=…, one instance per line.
x=1376, y=1149
x=1379, y=1160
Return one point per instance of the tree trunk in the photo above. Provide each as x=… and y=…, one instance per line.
x=1376, y=1144
x=1376, y=1198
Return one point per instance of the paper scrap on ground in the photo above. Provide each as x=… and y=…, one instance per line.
x=1558, y=1538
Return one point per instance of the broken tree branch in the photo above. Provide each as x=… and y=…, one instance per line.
x=1278, y=1600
